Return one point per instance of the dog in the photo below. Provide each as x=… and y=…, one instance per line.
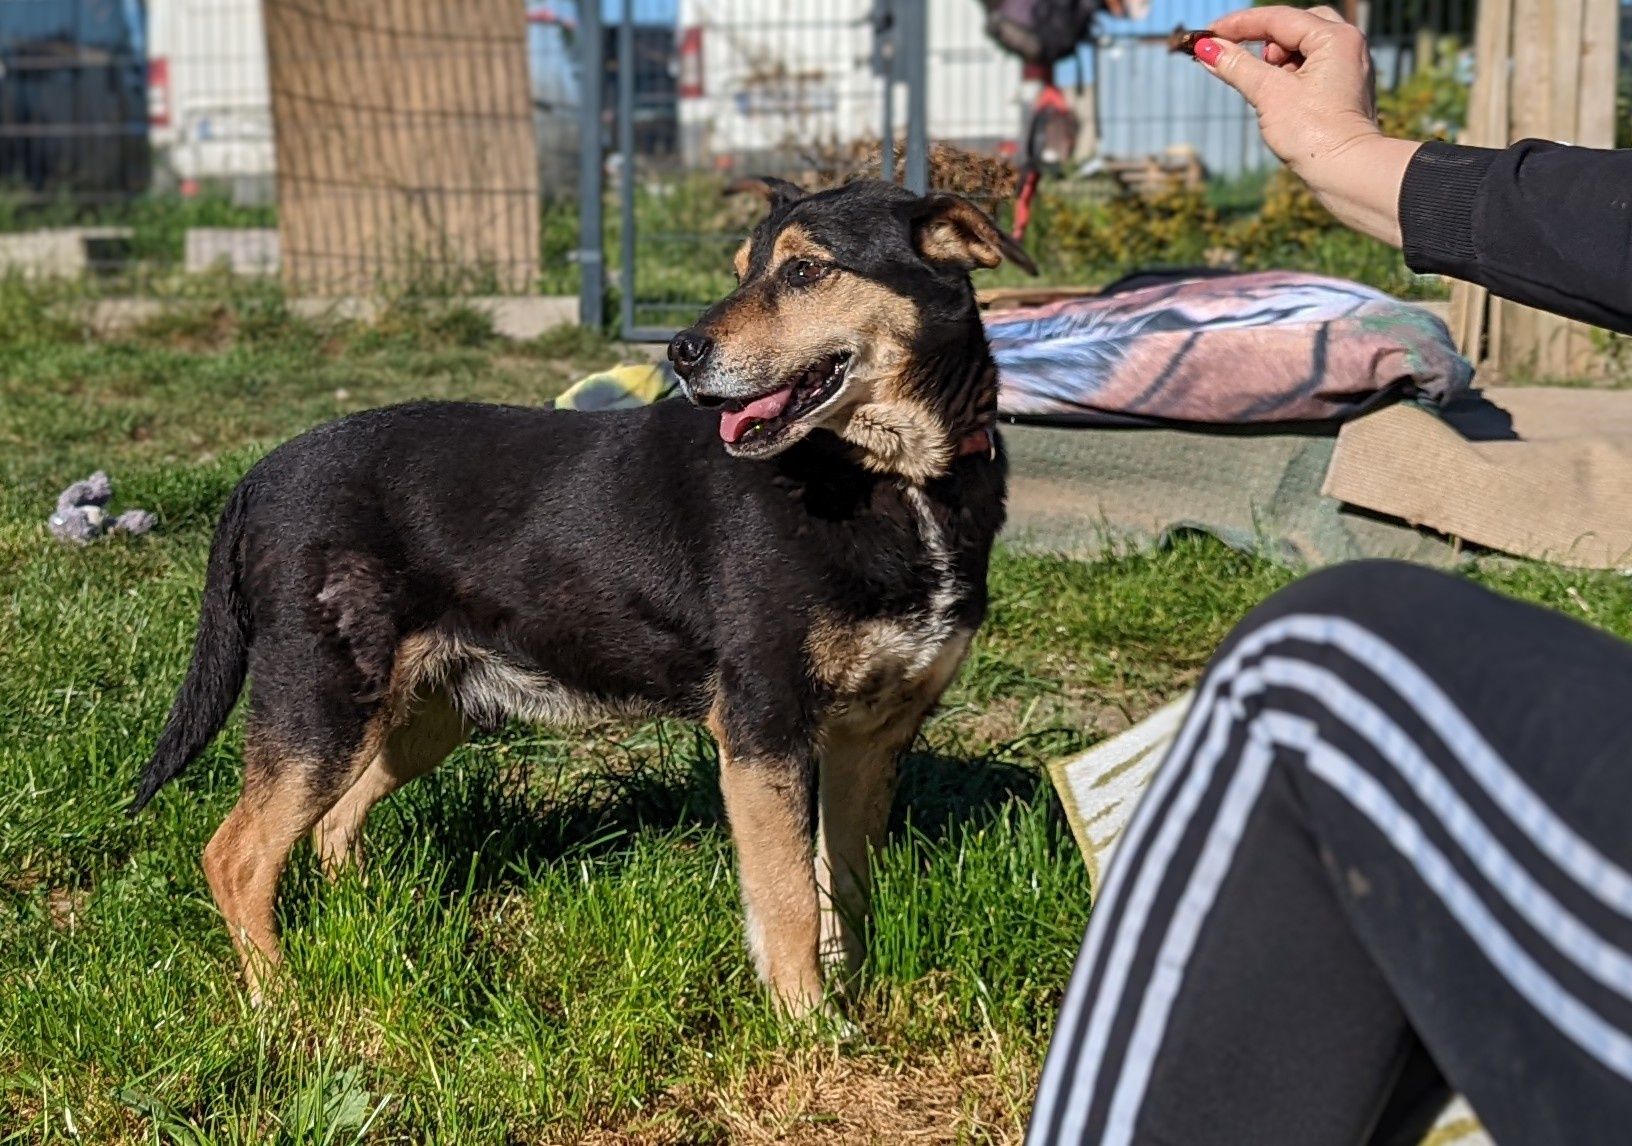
x=796, y=557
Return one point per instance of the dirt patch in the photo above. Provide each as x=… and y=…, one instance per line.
x=1088, y=712
x=66, y=906
x=964, y=1094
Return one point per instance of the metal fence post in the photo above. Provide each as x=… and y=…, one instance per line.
x=912, y=58
x=626, y=165
x=591, y=170
x=884, y=67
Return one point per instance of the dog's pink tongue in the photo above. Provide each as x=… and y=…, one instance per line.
x=734, y=423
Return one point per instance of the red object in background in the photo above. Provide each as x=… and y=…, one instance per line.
x=550, y=16
x=189, y=188
x=691, y=63
x=1051, y=98
x=1051, y=105
x=1022, y=202
x=158, y=92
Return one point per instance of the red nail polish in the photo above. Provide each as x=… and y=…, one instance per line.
x=1208, y=50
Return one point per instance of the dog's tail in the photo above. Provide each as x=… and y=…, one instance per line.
x=220, y=659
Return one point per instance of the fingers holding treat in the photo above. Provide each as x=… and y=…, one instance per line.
x=1183, y=42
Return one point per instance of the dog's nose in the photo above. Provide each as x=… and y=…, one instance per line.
x=687, y=351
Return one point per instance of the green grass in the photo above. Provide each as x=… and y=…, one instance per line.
x=547, y=946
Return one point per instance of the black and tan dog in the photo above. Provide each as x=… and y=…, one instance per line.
x=392, y=580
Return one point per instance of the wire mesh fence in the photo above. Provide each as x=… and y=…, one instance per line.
x=788, y=90
x=345, y=145
x=351, y=145
x=804, y=91
x=73, y=102
x=797, y=90
x=404, y=145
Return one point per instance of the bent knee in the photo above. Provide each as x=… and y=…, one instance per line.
x=1426, y=615
x=1390, y=598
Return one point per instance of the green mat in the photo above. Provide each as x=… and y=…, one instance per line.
x=1079, y=492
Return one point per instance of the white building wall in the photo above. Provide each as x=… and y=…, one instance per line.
x=777, y=76
x=216, y=106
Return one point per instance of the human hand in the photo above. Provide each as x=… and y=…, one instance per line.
x=1315, y=96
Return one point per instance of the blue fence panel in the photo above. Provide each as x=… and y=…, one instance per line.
x=1150, y=100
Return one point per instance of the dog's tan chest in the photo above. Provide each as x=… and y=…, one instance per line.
x=884, y=662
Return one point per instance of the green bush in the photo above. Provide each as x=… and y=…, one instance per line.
x=1174, y=226
x=1091, y=241
x=558, y=247
x=417, y=323
x=1432, y=103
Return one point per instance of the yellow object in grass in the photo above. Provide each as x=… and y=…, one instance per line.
x=621, y=388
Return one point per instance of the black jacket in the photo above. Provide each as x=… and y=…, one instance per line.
x=1543, y=224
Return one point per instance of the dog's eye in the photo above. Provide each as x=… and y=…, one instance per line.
x=802, y=271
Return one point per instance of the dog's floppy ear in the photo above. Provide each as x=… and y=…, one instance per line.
x=951, y=230
x=777, y=193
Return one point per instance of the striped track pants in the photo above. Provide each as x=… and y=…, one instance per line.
x=1387, y=858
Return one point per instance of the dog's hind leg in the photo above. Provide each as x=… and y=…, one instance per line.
x=415, y=744
x=244, y=860
x=857, y=786
x=860, y=753
x=324, y=707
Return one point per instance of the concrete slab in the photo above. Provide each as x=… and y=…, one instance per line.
x=242, y=250
x=526, y=318
x=115, y=315
x=519, y=318
x=65, y=252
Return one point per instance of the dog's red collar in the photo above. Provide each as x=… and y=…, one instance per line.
x=978, y=442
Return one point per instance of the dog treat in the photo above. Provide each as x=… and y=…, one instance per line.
x=1185, y=42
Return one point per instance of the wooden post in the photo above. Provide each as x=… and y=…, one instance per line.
x=1545, y=69
x=405, y=145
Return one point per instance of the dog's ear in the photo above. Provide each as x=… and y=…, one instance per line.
x=950, y=230
x=777, y=193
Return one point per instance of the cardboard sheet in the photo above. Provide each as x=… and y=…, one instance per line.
x=1532, y=472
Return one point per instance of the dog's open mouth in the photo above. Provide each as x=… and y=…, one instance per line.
x=751, y=424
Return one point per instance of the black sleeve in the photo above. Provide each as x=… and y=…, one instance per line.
x=1543, y=224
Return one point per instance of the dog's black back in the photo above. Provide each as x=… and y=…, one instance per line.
x=621, y=554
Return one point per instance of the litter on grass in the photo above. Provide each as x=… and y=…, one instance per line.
x=81, y=514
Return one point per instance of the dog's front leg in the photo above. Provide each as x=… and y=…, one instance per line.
x=768, y=802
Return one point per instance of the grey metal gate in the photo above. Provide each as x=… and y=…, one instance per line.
x=678, y=106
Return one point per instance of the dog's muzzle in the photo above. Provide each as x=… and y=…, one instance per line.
x=687, y=350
